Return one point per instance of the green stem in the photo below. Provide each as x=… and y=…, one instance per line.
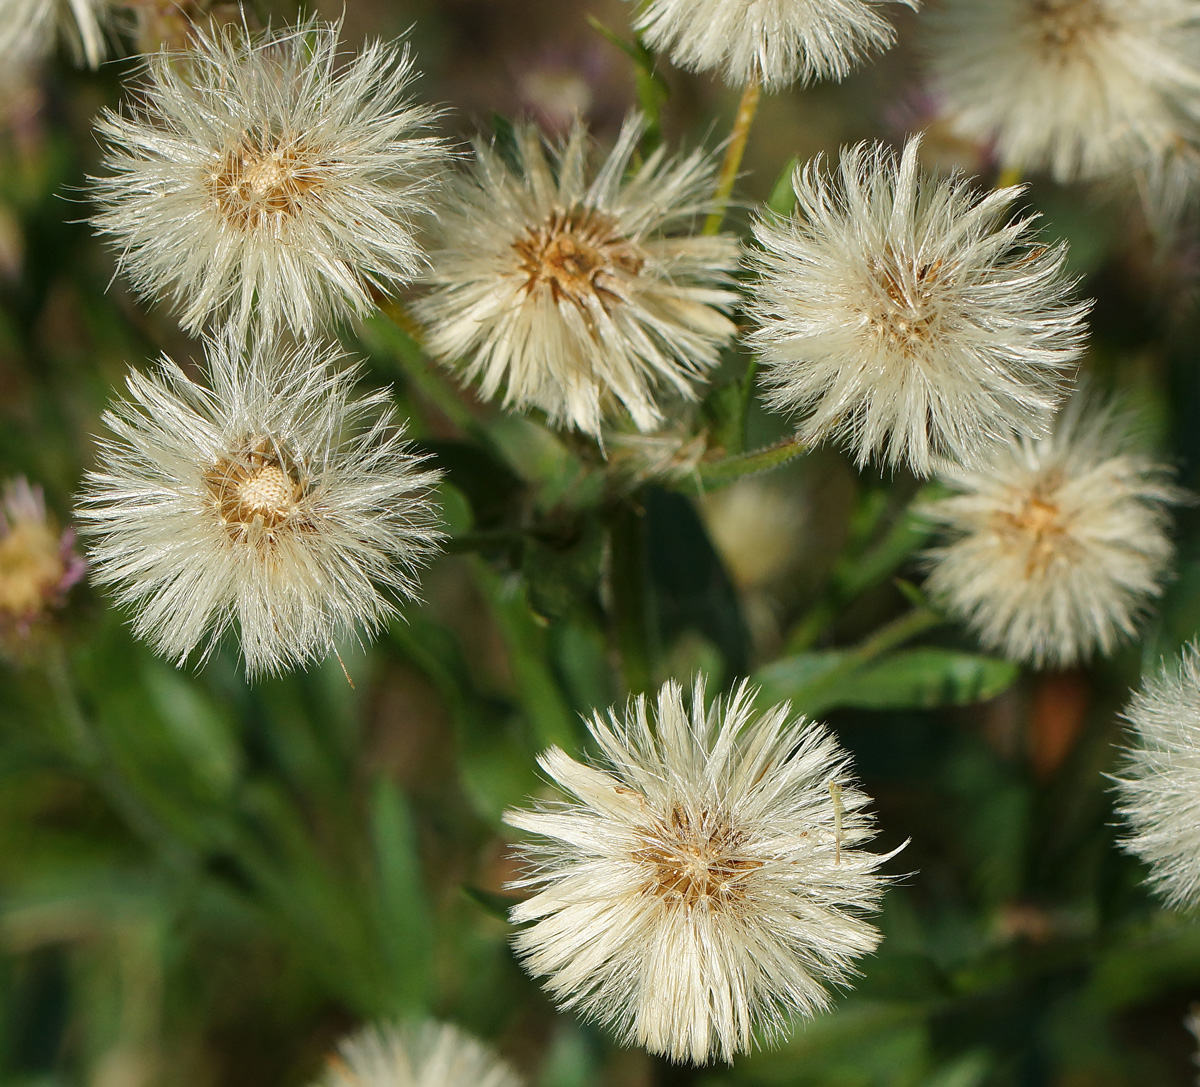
x=631, y=621
x=734, y=151
x=718, y=473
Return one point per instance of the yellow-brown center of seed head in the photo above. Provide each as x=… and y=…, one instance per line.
x=30, y=567
x=256, y=493
x=904, y=308
x=1035, y=526
x=696, y=860
x=263, y=179
x=580, y=256
x=1063, y=24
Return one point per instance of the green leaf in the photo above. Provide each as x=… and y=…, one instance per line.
x=782, y=200
x=490, y=902
x=406, y=929
x=910, y=679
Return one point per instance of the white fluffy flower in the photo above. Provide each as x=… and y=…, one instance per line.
x=28, y=28
x=1082, y=88
x=1158, y=792
x=272, y=499
x=1055, y=548
x=424, y=1054
x=775, y=41
x=705, y=879
x=578, y=295
x=263, y=178
x=904, y=315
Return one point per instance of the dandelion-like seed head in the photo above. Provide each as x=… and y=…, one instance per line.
x=261, y=179
x=425, y=1054
x=273, y=499
x=1056, y=548
x=703, y=880
x=1082, y=88
x=1158, y=786
x=580, y=296
x=28, y=29
x=776, y=41
x=905, y=316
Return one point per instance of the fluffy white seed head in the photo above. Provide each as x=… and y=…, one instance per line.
x=907, y=317
x=424, y=1054
x=272, y=499
x=1158, y=789
x=264, y=178
x=1056, y=547
x=775, y=41
x=1082, y=88
x=705, y=877
x=28, y=29
x=577, y=292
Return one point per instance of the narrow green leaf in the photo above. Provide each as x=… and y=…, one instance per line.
x=490, y=902
x=782, y=200
x=909, y=679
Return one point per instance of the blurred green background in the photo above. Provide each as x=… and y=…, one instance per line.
x=204, y=883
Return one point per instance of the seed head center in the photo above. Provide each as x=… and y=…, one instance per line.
x=1038, y=527
x=254, y=493
x=696, y=861
x=579, y=255
x=1063, y=24
x=255, y=182
x=903, y=309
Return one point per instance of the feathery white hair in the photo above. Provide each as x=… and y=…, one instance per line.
x=1158, y=787
x=28, y=29
x=271, y=499
x=775, y=41
x=262, y=178
x=905, y=316
x=575, y=295
x=1081, y=88
x=1056, y=547
x=424, y=1054
x=703, y=880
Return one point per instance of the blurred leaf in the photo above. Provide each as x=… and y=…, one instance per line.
x=688, y=584
x=406, y=928
x=969, y=1071
x=559, y=575
x=909, y=679
x=537, y=688
x=496, y=905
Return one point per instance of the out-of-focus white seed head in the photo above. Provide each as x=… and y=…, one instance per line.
x=580, y=293
x=262, y=179
x=1158, y=786
x=272, y=499
x=704, y=879
x=776, y=41
x=423, y=1054
x=1082, y=88
x=905, y=316
x=29, y=28
x=1056, y=547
